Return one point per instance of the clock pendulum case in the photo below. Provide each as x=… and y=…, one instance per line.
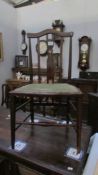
x=84, y=52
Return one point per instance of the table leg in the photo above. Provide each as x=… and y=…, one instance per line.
x=13, y=118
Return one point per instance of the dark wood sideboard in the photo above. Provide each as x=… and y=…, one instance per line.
x=93, y=111
x=86, y=86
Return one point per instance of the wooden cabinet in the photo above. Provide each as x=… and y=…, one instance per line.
x=14, y=83
x=93, y=111
x=86, y=86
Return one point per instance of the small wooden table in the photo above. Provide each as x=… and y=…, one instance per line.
x=31, y=91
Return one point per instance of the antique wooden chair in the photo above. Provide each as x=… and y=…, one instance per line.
x=45, y=70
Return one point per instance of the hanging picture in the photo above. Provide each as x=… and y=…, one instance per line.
x=21, y=61
x=1, y=47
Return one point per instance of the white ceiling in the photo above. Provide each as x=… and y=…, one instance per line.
x=20, y=3
x=15, y=2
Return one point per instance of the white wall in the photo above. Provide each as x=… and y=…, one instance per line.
x=8, y=28
x=81, y=17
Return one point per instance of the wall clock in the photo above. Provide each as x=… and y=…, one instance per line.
x=23, y=45
x=84, y=52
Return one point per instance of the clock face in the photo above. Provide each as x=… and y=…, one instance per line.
x=84, y=47
x=23, y=46
x=43, y=47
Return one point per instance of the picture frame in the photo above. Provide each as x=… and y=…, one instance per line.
x=21, y=61
x=1, y=47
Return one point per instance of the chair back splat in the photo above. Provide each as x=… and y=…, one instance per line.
x=46, y=57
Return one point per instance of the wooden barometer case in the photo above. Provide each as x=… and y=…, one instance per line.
x=23, y=45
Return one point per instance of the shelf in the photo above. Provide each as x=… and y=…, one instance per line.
x=34, y=71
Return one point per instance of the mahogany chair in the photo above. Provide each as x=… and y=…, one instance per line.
x=45, y=88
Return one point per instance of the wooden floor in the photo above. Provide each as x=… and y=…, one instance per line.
x=46, y=145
